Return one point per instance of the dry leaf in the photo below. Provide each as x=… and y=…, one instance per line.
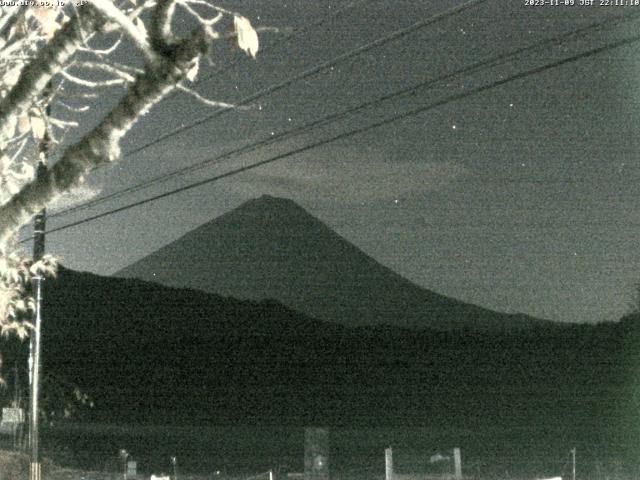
x=11, y=77
x=9, y=127
x=46, y=17
x=247, y=36
x=24, y=125
x=193, y=71
x=38, y=127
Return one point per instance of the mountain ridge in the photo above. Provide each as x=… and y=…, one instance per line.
x=150, y=353
x=270, y=247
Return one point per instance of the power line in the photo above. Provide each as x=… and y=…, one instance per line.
x=343, y=135
x=313, y=70
x=362, y=129
x=316, y=69
x=305, y=74
x=476, y=67
x=287, y=37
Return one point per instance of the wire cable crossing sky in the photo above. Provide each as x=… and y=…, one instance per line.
x=518, y=198
x=486, y=64
x=347, y=134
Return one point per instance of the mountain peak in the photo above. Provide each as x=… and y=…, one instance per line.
x=271, y=248
x=271, y=198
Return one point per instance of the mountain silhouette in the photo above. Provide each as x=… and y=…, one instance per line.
x=157, y=354
x=271, y=248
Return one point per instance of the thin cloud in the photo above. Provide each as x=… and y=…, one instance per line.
x=77, y=196
x=350, y=176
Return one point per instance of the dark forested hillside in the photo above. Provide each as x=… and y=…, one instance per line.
x=153, y=354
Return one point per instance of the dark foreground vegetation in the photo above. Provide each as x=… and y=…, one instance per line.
x=151, y=355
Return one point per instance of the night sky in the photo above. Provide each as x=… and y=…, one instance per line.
x=520, y=198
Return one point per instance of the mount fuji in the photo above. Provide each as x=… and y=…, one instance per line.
x=271, y=248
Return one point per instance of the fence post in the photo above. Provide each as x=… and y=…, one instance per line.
x=316, y=453
x=388, y=463
x=458, y=463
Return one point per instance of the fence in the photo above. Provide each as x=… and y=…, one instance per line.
x=434, y=467
x=407, y=464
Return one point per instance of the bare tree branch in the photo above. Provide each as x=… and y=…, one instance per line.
x=200, y=18
x=137, y=36
x=205, y=101
x=160, y=27
x=115, y=71
x=90, y=83
x=101, y=145
x=10, y=20
x=37, y=60
x=50, y=60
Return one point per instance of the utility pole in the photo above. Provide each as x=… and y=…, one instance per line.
x=457, y=462
x=124, y=455
x=174, y=462
x=35, y=363
x=34, y=358
x=388, y=464
x=17, y=429
x=573, y=463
